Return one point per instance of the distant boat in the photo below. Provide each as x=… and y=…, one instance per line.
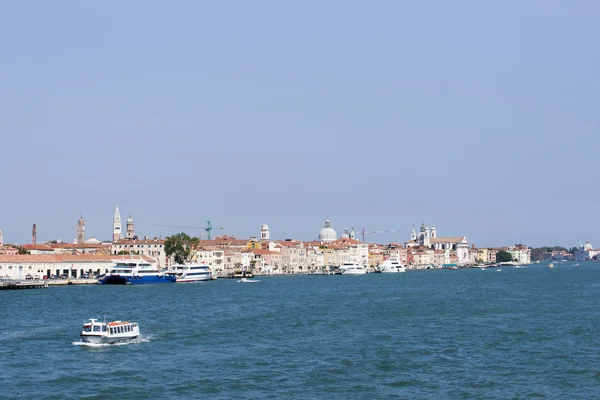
x=551, y=265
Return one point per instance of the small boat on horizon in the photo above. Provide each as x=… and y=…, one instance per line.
x=109, y=332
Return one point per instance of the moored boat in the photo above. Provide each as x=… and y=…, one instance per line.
x=243, y=274
x=109, y=332
x=352, y=268
x=390, y=266
x=135, y=272
x=191, y=272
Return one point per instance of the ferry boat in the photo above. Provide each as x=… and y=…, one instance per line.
x=352, y=268
x=390, y=266
x=109, y=332
x=135, y=272
x=191, y=272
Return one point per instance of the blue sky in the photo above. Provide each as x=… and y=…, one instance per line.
x=480, y=118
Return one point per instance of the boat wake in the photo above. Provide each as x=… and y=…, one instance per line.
x=246, y=280
x=141, y=339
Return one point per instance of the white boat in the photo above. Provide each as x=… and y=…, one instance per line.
x=109, y=332
x=390, y=266
x=134, y=272
x=352, y=268
x=195, y=272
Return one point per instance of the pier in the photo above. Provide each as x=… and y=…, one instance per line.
x=23, y=284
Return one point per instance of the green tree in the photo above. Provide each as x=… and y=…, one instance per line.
x=23, y=251
x=503, y=256
x=181, y=247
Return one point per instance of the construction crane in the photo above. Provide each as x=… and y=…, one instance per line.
x=206, y=228
x=363, y=232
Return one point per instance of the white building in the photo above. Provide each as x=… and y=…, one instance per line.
x=428, y=238
x=18, y=266
x=586, y=252
x=154, y=248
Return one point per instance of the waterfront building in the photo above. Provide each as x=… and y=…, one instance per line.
x=428, y=238
x=520, y=253
x=37, y=249
x=482, y=255
x=1, y=239
x=212, y=255
x=557, y=256
x=8, y=250
x=376, y=255
x=586, y=252
x=117, y=225
x=81, y=230
x=93, y=247
x=18, y=266
x=154, y=248
x=267, y=262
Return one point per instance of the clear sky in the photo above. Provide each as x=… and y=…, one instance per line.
x=481, y=118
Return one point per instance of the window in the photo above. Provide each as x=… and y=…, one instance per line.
x=96, y=328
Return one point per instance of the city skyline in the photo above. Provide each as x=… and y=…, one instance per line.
x=371, y=235
x=481, y=119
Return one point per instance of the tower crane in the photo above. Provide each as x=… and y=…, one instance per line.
x=363, y=232
x=206, y=228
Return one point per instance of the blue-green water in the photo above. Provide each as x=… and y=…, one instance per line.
x=518, y=333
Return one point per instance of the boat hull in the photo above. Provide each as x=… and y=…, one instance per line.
x=392, y=270
x=354, y=272
x=136, y=280
x=195, y=279
x=96, y=339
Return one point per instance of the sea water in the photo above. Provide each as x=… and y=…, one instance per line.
x=470, y=333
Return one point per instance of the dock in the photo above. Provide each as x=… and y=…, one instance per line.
x=23, y=284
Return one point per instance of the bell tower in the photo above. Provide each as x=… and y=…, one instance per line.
x=117, y=225
x=130, y=228
x=265, y=234
x=80, y=230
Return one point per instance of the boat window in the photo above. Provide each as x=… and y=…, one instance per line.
x=87, y=328
x=103, y=328
x=96, y=328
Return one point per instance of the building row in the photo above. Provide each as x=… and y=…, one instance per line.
x=227, y=254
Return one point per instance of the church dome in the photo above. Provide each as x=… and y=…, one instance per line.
x=327, y=234
x=264, y=227
x=130, y=220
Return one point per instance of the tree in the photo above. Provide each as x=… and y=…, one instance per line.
x=503, y=256
x=23, y=251
x=181, y=247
